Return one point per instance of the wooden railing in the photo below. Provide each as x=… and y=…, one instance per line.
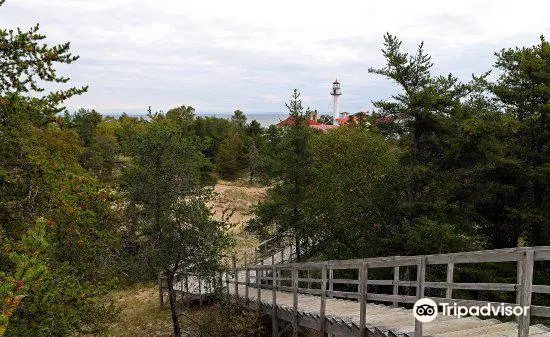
x=318, y=278
x=280, y=248
x=276, y=250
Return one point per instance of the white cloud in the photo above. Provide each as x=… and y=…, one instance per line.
x=223, y=55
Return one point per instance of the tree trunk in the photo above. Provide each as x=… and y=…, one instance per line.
x=172, y=297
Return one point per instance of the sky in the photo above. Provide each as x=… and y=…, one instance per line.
x=219, y=56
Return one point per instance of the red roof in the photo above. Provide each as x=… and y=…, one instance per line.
x=290, y=121
x=345, y=120
x=336, y=82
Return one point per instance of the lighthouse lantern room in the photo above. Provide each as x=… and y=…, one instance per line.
x=336, y=92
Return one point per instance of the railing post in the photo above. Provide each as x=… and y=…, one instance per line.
x=236, y=277
x=274, y=326
x=450, y=279
x=420, y=279
x=181, y=289
x=186, y=282
x=363, y=276
x=200, y=291
x=227, y=281
x=526, y=291
x=322, y=318
x=308, y=279
x=259, y=290
x=519, y=280
x=330, y=282
x=294, y=302
x=246, y=280
x=395, y=285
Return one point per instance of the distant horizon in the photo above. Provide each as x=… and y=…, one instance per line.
x=203, y=113
x=264, y=118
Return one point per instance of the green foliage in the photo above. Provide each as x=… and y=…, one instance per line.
x=169, y=219
x=326, y=119
x=284, y=209
x=231, y=159
x=523, y=89
x=211, y=132
x=57, y=236
x=424, y=117
x=356, y=190
x=239, y=119
x=27, y=268
x=101, y=146
x=25, y=62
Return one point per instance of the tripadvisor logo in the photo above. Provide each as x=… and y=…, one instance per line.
x=425, y=310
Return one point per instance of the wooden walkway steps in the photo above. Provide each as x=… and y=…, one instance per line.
x=350, y=298
x=343, y=318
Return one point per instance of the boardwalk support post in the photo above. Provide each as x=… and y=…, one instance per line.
x=259, y=289
x=322, y=318
x=363, y=276
x=526, y=290
x=200, y=293
x=450, y=279
x=182, y=292
x=420, y=279
x=274, y=325
x=330, y=282
x=246, y=280
x=395, y=285
x=227, y=281
x=294, y=302
x=236, y=277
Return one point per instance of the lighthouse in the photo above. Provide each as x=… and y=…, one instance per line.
x=336, y=92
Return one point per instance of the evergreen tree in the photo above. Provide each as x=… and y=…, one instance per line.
x=419, y=115
x=284, y=210
x=523, y=91
x=232, y=159
x=167, y=201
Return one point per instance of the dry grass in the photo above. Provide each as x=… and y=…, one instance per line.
x=141, y=314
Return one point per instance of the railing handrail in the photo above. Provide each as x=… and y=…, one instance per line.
x=263, y=243
x=432, y=259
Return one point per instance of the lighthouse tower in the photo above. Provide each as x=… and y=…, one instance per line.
x=336, y=92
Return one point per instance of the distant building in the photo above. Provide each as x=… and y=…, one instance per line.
x=339, y=118
x=336, y=93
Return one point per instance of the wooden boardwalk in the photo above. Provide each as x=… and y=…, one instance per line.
x=349, y=297
x=342, y=318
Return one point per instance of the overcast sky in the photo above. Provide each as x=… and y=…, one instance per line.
x=218, y=56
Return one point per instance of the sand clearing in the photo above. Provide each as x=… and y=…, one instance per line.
x=237, y=198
